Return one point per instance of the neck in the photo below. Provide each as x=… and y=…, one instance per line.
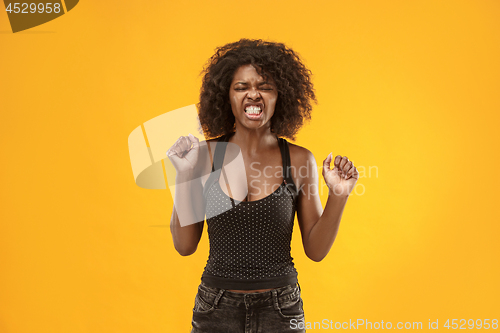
x=253, y=141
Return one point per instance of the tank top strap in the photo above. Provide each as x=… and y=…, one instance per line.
x=220, y=151
x=287, y=165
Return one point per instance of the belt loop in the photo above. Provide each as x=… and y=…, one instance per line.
x=217, y=299
x=275, y=299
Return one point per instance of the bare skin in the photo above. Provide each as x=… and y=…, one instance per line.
x=261, y=155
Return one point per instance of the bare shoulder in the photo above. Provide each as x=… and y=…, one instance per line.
x=210, y=144
x=304, y=168
x=300, y=155
x=212, y=140
x=207, y=151
x=205, y=156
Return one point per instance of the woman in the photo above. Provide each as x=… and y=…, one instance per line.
x=254, y=93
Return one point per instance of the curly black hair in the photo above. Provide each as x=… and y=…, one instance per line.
x=292, y=78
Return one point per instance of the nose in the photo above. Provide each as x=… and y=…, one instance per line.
x=253, y=93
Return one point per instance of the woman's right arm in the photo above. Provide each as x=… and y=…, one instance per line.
x=186, y=223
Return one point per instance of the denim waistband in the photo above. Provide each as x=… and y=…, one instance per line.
x=273, y=297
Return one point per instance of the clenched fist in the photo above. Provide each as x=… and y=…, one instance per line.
x=184, y=153
x=343, y=177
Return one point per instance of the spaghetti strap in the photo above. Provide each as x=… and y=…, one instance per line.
x=287, y=165
x=220, y=151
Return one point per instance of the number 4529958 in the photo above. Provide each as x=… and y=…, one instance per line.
x=27, y=8
x=471, y=324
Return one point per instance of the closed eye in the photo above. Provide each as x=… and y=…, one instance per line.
x=266, y=86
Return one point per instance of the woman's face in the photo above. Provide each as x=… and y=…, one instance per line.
x=252, y=98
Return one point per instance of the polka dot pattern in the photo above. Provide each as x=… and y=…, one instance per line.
x=251, y=240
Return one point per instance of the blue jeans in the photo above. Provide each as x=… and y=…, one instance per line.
x=220, y=311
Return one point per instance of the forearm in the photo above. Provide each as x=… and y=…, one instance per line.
x=322, y=235
x=187, y=212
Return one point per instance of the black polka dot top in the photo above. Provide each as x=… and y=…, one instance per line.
x=249, y=240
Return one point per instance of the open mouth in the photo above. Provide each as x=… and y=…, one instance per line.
x=253, y=111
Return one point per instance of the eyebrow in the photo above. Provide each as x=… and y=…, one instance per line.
x=260, y=83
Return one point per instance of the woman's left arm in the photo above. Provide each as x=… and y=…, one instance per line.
x=319, y=227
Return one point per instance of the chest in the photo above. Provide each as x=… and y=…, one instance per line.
x=247, y=177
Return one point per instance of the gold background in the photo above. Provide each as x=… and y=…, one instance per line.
x=410, y=88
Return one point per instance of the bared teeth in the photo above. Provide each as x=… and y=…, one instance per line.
x=252, y=109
